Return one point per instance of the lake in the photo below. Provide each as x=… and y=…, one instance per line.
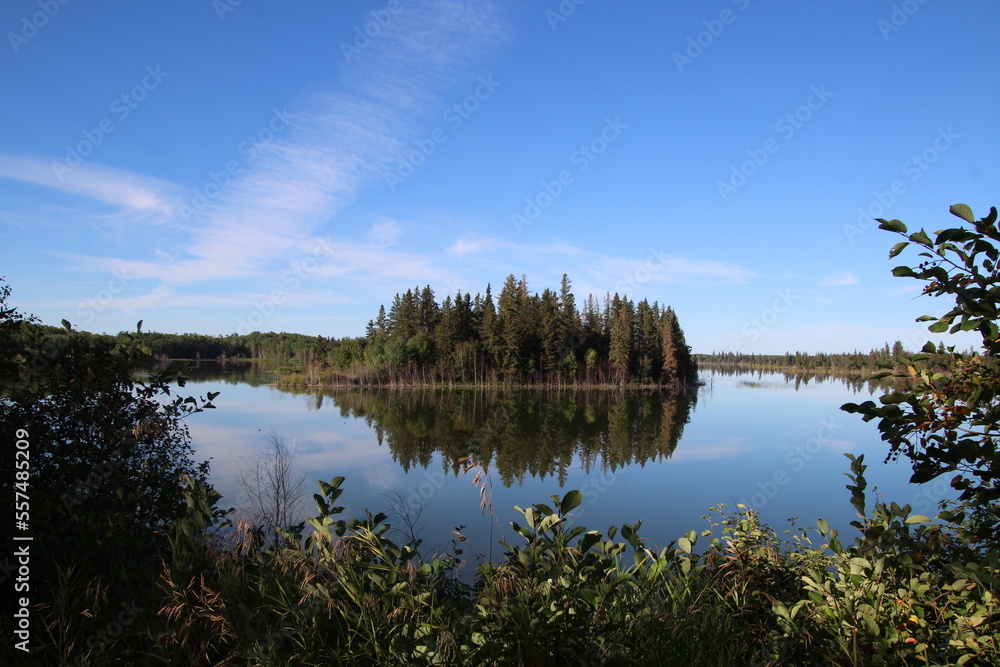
x=770, y=441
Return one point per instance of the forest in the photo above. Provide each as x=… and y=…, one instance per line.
x=522, y=337
x=528, y=337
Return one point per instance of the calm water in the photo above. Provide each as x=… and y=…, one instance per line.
x=764, y=440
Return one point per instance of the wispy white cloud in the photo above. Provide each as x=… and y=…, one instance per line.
x=843, y=278
x=379, y=265
x=701, y=448
x=341, y=141
x=384, y=233
x=606, y=272
x=338, y=140
x=130, y=196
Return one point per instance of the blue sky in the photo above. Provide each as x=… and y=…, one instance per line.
x=233, y=165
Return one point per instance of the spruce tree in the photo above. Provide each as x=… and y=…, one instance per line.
x=670, y=373
x=648, y=346
x=509, y=315
x=622, y=346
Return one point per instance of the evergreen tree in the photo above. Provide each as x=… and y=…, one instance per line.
x=668, y=349
x=322, y=350
x=489, y=330
x=551, y=331
x=403, y=316
x=381, y=323
x=622, y=344
x=427, y=310
x=649, y=354
x=446, y=332
x=678, y=364
x=510, y=313
x=464, y=320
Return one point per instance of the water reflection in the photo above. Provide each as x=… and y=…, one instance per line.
x=769, y=379
x=254, y=373
x=520, y=433
x=640, y=445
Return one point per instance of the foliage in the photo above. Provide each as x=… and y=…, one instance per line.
x=906, y=592
x=108, y=453
x=946, y=423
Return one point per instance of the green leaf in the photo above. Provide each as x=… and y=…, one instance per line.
x=903, y=272
x=823, y=526
x=917, y=518
x=962, y=211
x=954, y=234
x=588, y=541
x=992, y=217
x=67, y=325
x=685, y=544
x=892, y=225
x=939, y=327
x=898, y=248
x=921, y=238
x=589, y=596
x=570, y=501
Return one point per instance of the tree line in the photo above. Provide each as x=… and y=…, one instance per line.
x=528, y=337
x=855, y=362
x=520, y=337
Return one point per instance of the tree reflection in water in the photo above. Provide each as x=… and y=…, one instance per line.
x=519, y=433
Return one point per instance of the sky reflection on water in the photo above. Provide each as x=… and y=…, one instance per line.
x=756, y=439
